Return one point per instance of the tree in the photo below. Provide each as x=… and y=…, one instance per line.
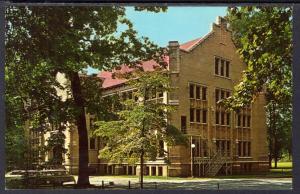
x=68, y=40
x=141, y=125
x=263, y=36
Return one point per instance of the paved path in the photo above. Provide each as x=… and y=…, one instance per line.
x=205, y=183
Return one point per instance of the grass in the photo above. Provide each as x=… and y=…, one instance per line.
x=283, y=165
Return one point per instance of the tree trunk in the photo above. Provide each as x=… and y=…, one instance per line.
x=276, y=152
x=142, y=150
x=142, y=170
x=83, y=171
x=270, y=160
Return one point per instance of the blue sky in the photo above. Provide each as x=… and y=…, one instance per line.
x=177, y=23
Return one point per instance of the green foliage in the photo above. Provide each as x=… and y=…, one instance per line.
x=140, y=125
x=44, y=40
x=263, y=36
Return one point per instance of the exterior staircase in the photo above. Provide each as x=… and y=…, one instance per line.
x=215, y=164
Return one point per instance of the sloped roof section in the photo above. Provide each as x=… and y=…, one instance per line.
x=109, y=81
x=190, y=45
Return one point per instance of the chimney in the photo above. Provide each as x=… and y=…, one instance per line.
x=174, y=67
x=174, y=59
x=222, y=22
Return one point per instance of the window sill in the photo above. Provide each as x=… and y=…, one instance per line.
x=220, y=76
x=245, y=157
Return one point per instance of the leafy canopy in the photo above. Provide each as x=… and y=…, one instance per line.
x=142, y=124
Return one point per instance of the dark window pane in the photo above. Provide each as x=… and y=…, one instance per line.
x=198, y=115
x=183, y=123
x=222, y=118
x=160, y=94
x=217, y=117
x=217, y=95
x=249, y=148
x=92, y=143
x=239, y=121
x=160, y=91
x=244, y=120
x=222, y=67
x=197, y=92
x=240, y=148
x=192, y=91
x=222, y=94
x=227, y=68
x=204, y=116
x=227, y=94
x=217, y=66
x=244, y=148
x=228, y=118
x=192, y=114
x=248, y=121
x=203, y=93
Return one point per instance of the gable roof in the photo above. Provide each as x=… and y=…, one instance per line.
x=109, y=81
x=190, y=45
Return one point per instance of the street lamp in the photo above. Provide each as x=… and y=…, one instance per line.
x=192, y=159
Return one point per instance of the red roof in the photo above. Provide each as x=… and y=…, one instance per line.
x=109, y=81
x=190, y=44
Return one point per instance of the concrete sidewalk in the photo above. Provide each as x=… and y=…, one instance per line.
x=197, y=183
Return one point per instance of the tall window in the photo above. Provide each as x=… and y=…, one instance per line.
x=217, y=95
x=92, y=143
x=192, y=119
x=248, y=121
x=227, y=68
x=228, y=148
x=244, y=148
x=222, y=118
x=222, y=94
x=197, y=92
x=198, y=115
x=239, y=120
x=217, y=66
x=217, y=117
x=204, y=113
x=203, y=93
x=222, y=67
x=183, y=124
x=244, y=121
x=240, y=148
x=191, y=90
x=249, y=148
x=228, y=118
x=227, y=94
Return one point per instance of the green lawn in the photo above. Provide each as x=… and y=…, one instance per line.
x=283, y=165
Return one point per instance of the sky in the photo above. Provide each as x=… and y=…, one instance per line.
x=177, y=23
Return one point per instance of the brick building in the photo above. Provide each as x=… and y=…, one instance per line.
x=203, y=71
